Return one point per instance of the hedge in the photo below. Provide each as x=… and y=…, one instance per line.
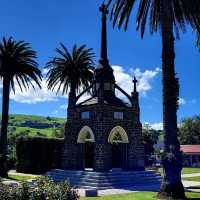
x=38, y=155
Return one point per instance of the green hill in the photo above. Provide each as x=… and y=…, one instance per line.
x=31, y=125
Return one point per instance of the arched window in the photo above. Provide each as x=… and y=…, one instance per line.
x=85, y=135
x=118, y=135
x=117, y=138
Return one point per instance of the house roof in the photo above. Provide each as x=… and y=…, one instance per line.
x=191, y=149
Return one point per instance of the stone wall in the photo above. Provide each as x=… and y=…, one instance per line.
x=102, y=122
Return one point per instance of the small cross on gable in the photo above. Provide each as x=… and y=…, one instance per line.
x=135, y=84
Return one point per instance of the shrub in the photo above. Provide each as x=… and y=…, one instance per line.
x=48, y=118
x=47, y=189
x=21, y=192
x=38, y=155
x=43, y=189
x=5, y=192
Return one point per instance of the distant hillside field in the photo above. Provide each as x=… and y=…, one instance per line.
x=31, y=125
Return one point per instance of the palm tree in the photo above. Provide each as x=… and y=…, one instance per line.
x=17, y=65
x=171, y=17
x=70, y=70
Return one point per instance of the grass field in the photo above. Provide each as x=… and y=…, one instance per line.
x=197, y=178
x=20, y=178
x=190, y=170
x=47, y=132
x=187, y=170
x=33, y=126
x=17, y=118
x=137, y=196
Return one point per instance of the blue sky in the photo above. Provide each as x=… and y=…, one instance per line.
x=46, y=23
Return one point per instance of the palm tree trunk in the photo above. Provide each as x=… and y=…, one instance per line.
x=72, y=96
x=4, y=127
x=172, y=158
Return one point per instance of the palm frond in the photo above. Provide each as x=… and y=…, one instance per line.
x=18, y=62
x=70, y=70
x=184, y=12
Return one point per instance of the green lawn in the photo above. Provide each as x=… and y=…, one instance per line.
x=21, y=178
x=188, y=170
x=137, y=196
x=197, y=178
x=131, y=196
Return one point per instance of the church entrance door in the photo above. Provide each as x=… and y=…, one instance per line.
x=86, y=140
x=116, y=155
x=119, y=155
x=89, y=155
x=119, y=141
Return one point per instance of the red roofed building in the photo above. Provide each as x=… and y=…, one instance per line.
x=192, y=155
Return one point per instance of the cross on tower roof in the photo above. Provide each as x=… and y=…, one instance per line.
x=135, y=84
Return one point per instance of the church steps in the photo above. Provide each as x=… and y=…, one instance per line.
x=107, y=180
x=93, y=173
x=105, y=183
x=85, y=185
x=112, y=186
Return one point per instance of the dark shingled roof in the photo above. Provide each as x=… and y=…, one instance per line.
x=109, y=99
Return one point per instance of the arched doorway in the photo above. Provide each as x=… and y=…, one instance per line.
x=119, y=141
x=86, y=140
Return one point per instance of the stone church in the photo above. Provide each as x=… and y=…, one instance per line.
x=103, y=132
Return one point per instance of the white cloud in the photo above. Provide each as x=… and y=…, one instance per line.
x=84, y=97
x=155, y=126
x=144, y=78
x=33, y=96
x=182, y=101
x=124, y=79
